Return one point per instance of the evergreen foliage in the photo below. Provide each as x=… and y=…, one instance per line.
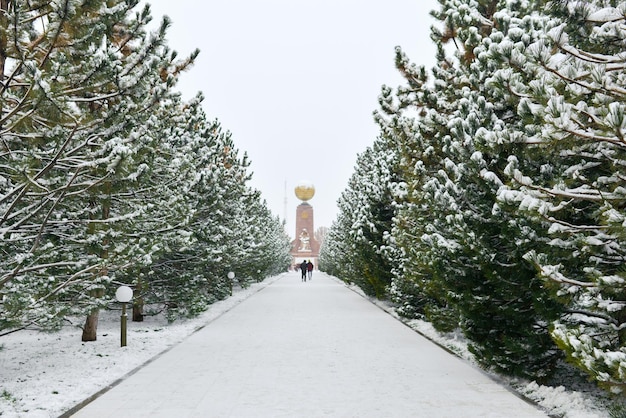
x=108, y=178
x=464, y=265
x=367, y=211
x=577, y=95
x=512, y=224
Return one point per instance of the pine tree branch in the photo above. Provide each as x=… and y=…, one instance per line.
x=607, y=318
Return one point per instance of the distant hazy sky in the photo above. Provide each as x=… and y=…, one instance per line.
x=296, y=82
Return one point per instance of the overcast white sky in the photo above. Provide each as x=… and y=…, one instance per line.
x=296, y=82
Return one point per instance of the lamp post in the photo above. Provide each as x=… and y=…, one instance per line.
x=231, y=277
x=123, y=294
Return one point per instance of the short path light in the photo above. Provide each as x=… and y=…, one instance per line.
x=123, y=294
x=231, y=277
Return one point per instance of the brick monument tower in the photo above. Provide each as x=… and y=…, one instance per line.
x=305, y=246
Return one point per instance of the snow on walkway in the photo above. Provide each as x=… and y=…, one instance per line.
x=313, y=349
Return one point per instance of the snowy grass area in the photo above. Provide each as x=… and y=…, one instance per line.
x=45, y=375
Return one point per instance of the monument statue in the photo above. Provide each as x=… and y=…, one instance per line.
x=304, y=246
x=305, y=241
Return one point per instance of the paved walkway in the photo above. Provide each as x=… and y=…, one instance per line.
x=312, y=349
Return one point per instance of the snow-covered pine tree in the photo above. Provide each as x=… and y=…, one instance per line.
x=228, y=228
x=336, y=253
x=334, y=256
x=163, y=204
x=79, y=80
x=399, y=120
x=367, y=209
x=266, y=249
x=109, y=178
x=463, y=259
x=576, y=104
x=269, y=252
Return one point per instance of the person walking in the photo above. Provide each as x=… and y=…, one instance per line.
x=303, y=269
x=309, y=268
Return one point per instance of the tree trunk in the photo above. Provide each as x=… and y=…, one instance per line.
x=138, y=302
x=4, y=7
x=4, y=4
x=91, y=326
x=91, y=323
x=138, y=310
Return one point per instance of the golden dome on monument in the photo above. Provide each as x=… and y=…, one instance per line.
x=304, y=191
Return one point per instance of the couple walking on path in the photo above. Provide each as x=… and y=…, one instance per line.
x=306, y=268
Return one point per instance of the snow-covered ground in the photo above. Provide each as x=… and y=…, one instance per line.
x=45, y=375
